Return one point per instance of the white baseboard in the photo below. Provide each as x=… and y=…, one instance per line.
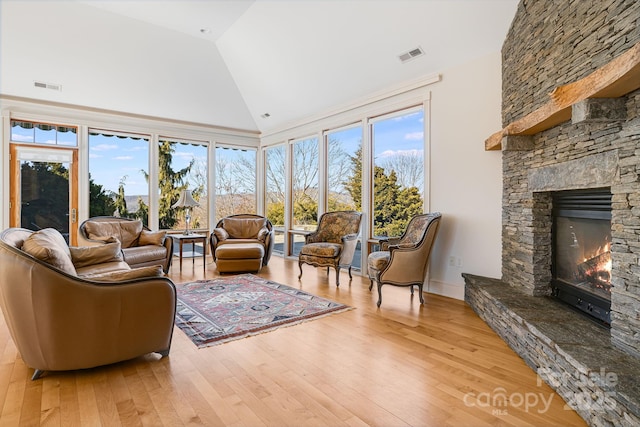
x=446, y=289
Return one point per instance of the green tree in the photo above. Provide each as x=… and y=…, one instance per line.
x=305, y=209
x=101, y=201
x=45, y=207
x=121, y=201
x=275, y=213
x=353, y=184
x=143, y=211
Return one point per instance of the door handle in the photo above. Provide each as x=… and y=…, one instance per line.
x=74, y=215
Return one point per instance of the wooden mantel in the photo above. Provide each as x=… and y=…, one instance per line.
x=618, y=78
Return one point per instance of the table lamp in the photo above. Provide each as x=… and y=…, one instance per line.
x=186, y=201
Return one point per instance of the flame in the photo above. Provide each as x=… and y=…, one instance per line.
x=599, y=275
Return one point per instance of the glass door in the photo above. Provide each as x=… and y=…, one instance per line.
x=44, y=190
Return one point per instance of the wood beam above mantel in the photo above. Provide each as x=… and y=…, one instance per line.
x=615, y=79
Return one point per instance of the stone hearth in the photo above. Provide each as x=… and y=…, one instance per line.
x=568, y=351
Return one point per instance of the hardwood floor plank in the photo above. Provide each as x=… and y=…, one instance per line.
x=185, y=412
x=31, y=403
x=50, y=414
x=69, y=399
x=15, y=394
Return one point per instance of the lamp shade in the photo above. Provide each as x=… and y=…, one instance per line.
x=185, y=200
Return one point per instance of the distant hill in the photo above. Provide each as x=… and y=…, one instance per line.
x=132, y=202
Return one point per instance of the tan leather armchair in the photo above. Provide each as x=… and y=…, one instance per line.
x=59, y=321
x=334, y=242
x=141, y=247
x=403, y=261
x=241, y=242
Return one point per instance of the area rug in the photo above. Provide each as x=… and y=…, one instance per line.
x=212, y=312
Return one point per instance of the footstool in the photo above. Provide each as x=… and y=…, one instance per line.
x=239, y=257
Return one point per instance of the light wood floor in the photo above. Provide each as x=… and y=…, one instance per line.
x=401, y=365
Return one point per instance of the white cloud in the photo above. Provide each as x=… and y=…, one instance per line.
x=414, y=136
x=184, y=155
x=406, y=116
x=391, y=153
x=123, y=158
x=94, y=156
x=139, y=148
x=103, y=147
x=21, y=138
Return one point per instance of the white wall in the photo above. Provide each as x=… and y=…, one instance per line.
x=466, y=181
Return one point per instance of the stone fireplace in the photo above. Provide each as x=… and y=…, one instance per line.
x=549, y=148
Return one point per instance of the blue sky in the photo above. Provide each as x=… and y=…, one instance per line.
x=399, y=134
x=113, y=158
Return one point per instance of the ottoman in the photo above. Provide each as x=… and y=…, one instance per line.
x=239, y=257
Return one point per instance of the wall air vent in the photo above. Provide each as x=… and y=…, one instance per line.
x=51, y=86
x=413, y=53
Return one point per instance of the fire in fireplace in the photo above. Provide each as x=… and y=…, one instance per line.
x=581, y=265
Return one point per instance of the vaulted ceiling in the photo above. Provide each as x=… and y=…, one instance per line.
x=227, y=63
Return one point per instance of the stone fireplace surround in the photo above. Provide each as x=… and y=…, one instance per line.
x=573, y=354
x=594, y=369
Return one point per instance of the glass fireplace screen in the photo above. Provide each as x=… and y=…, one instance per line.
x=583, y=254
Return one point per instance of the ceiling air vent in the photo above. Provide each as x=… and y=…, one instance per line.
x=48, y=86
x=413, y=53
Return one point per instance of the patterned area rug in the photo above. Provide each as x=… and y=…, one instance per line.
x=215, y=311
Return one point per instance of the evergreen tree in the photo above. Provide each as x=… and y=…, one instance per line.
x=120, y=201
x=171, y=184
x=353, y=184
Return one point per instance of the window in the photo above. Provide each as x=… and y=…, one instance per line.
x=344, y=174
x=43, y=133
x=398, y=172
x=118, y=172
x=182, y=165
x=235, y=182
x=305, y=184
x=344, y=169
x=304, y=191
x=275, y=192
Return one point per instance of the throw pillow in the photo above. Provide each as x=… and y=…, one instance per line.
x=127, y=232
x=221, y=233
x=151, y=237
x=134, y=273
x=263, y=233
x=90, y=255
x=49, y=246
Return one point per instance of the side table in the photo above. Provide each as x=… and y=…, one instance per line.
x=193, y=239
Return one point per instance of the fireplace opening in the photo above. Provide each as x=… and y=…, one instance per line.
x=581, y=267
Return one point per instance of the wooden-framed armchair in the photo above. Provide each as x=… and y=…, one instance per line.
x=403, y=261
x=333, y=244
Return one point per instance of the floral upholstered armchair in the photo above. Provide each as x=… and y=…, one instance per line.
x=403, y=261
x=333, y=244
